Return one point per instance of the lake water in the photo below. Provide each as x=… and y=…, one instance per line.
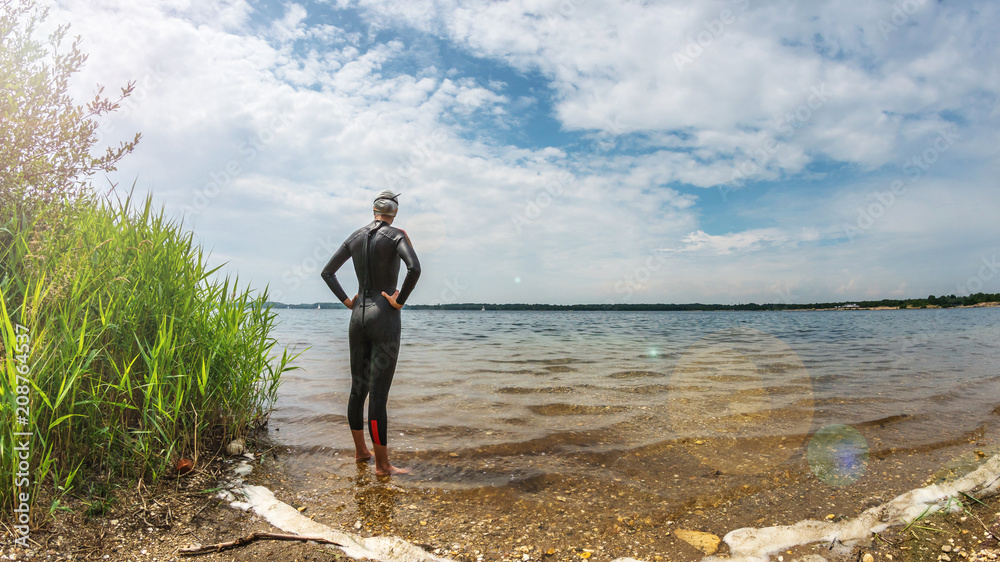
x=673, y=413
x=468, y=379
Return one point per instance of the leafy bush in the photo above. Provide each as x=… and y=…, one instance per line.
x=119, y=352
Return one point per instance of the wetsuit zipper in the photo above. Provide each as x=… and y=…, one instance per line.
x=368, y=269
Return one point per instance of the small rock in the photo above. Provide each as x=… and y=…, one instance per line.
x=705, y=542
x=946, y=548
x=235, y=447
x=868, y=557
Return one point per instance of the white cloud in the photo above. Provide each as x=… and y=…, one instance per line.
x=296, y=125
x=749, y=240
x=750, y=67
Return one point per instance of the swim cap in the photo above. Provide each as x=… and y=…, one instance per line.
x=386, y=204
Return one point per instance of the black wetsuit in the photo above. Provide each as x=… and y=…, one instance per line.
x=374, y=329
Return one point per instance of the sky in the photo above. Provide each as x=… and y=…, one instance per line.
x=568, y=151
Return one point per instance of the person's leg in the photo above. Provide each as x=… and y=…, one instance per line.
x=385, y=351
x=360, y=350
x=361, y=452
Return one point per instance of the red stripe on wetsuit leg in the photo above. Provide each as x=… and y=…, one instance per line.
x=375, y=432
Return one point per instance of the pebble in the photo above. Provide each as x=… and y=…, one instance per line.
x=235, y=447
x=868, y=558
x=946, y=548
x=705, y=542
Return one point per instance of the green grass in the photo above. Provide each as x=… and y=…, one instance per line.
x=137, y=355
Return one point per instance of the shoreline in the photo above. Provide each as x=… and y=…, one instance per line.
x=928, y=307
x=910, y=304
x=438, y=520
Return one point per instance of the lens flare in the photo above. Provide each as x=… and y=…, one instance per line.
x=741, y=401
x=838, y=455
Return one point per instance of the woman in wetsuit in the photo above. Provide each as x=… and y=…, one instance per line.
x=376, y=250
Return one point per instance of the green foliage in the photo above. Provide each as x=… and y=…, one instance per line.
x=46, y=140
x=136, y=356
x=119, y=353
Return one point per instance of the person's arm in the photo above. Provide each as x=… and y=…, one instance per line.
x=329, y=273
x=409, y=257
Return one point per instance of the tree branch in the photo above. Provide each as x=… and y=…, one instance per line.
x=242, y=541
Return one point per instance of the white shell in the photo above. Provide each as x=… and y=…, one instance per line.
x=235, y=448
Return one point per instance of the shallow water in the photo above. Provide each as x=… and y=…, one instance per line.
x=471, y=379
x=668, y=413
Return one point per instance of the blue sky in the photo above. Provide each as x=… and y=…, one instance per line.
x=570, y=151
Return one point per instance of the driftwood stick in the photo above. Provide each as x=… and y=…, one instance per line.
x=242, y=541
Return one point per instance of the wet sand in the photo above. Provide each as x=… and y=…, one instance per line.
x=569, y=496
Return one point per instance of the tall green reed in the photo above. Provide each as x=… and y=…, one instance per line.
x=139, y=356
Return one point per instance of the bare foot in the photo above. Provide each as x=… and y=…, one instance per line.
x=361, y=452
x=391, y=471
x=382, y=466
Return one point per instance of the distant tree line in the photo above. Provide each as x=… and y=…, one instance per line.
x=942, y=301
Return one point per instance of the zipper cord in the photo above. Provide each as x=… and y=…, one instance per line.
x=366, y=260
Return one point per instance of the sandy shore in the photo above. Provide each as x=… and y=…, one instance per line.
x=555, y=517
x=978, y=305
